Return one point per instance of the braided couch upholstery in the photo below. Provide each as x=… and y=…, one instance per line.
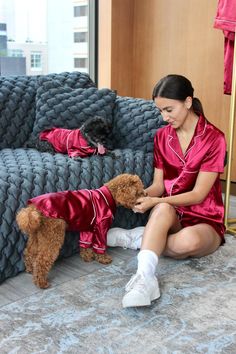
x=26, y=172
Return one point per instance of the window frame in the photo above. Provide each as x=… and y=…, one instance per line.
x=93, y=39
x=34, y=59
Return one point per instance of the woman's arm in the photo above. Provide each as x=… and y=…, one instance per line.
x=203, y=185
x=156, y=189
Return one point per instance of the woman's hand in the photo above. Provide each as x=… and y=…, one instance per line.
x=143, y=204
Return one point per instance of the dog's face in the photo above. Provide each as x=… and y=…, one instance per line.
x=97, y=129
x=126, y=189
x=134, y=190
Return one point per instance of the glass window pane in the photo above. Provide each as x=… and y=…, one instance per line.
x=80, y=37
x=81, y=10
x=35, y=59
x=49, y=35
x=80, y=63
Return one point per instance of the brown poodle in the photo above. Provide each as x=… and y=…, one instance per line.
x=91, y=212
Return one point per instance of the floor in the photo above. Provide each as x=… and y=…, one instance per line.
x=65, y=270
x=205, y=323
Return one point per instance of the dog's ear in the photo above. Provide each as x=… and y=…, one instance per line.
x=135, y=179
x=132, y=189
x=138, y=184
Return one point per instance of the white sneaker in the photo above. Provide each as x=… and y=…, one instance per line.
x=118, y=237
x=141, y=291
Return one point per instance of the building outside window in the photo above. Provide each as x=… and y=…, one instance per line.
x=36, y=61
x=80, y=37
x=80, y=63
x=3, y=27
x=80, y=11
x=3, y=39
x=50, y=43
x=15, y=53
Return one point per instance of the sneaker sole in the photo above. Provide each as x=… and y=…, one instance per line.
x=127, y=302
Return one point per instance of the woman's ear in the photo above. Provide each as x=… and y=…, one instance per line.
x=188, y=102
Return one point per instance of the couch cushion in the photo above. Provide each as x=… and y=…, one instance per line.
x=17, y=103
x=135, y=123
x=63, y=106
x=17, y=109
x=74, y=79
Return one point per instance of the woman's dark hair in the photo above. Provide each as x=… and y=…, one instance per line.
x=177, y=87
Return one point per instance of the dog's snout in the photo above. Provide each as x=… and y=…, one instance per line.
x=140, y=194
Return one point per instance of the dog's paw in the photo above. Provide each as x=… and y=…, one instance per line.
x=41, y=283
x=103, y=258
x=87, y=254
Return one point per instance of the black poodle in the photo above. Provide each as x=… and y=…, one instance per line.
x=93, y=137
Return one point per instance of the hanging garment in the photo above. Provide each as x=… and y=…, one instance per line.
x=226, y=21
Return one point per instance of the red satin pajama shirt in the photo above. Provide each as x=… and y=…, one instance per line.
x=90, y=212
x=71, y=142
x=206, y=152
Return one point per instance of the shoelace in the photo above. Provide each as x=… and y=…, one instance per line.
x=135, y=239
x=124, y=242
x=135, y=279
x=129, y=242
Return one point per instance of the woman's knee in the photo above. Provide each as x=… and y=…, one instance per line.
x=163, y=209
x=192, y=243
x=195, y=241
x=184, y=245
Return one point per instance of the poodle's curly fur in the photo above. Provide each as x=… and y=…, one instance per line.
x=46, y=235
x=96, y=130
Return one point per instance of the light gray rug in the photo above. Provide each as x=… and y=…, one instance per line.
x=195, y=314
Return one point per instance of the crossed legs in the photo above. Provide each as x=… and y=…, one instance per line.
x=164, y=235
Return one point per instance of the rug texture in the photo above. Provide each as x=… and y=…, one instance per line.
x=195, y=314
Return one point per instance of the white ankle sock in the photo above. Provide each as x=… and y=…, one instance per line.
x=147, y=263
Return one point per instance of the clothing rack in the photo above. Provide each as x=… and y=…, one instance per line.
x=230, y=224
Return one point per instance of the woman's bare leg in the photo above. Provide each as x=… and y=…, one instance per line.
x=163, y=219
x=193, y=241
x=163, y=235
x=143, y=287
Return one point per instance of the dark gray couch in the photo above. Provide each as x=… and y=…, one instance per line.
x=30, y=104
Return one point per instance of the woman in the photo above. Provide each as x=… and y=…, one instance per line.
x=187, y=213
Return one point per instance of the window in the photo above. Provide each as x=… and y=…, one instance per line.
x=15, y=53
x=3, y=27
x=81, y=10
x=36, y=61
x=51, y=36
x=80, y=62
x=80, y=37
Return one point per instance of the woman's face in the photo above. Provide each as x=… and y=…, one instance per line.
x=173, y=112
